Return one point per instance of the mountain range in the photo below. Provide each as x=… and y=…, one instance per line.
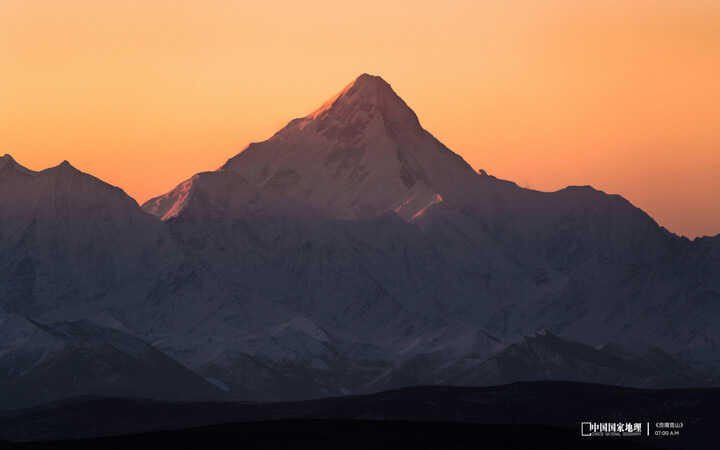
x=351, y=252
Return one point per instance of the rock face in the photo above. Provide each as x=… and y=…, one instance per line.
x=353, y=252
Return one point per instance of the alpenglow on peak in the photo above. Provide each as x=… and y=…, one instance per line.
x=362, y=153
x=368, y=97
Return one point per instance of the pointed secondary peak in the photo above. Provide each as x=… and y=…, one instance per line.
x=9, y=162
x=6, y=161
x=66, y=166
x=63, y=168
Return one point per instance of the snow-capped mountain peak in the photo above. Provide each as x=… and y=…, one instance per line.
x=362, y=153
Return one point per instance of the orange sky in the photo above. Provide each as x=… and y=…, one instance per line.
x=623, y=95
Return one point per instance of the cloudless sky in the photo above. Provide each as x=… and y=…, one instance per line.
x=623, y=95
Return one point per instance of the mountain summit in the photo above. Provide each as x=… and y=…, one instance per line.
x=352, y=110
x=360, y=154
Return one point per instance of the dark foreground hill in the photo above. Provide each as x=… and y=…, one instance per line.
x=520, y=415
x=349, y=434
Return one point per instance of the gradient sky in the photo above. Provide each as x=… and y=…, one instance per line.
x=623, y=95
